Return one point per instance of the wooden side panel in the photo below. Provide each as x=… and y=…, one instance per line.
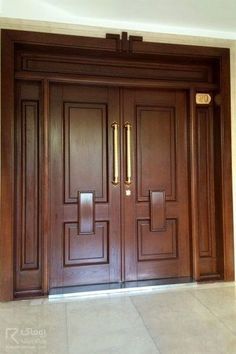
x=206, y=199
x=28, y=204
x=30, y=184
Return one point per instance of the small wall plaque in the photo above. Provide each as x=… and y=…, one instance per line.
x=203, y=98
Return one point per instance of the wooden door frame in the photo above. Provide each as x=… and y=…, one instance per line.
x=117, y=46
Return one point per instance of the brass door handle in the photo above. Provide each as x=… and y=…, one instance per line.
x=115, y=127
x=128, y=153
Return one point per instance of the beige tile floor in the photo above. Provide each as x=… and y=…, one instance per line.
x=188, y=319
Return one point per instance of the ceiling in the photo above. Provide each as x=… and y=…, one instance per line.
x=213, y=18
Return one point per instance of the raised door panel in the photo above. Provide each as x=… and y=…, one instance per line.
x=157, y=236
x=155, y=151
x=157, y=245
x=81, y=249
x=85, y=168
x=84, y=203
x=206, y=192
x=28, y=201
x=85, y=150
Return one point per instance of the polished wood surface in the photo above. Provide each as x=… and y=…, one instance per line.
x=28, y=203
x=157, y=210
x=156, y=141
x=86, y=213
x=44, y=63
x=160, y=163
x=81, y=140
x=206, y=191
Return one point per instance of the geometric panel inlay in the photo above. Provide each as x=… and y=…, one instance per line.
x=159, y=244
x=84, y=250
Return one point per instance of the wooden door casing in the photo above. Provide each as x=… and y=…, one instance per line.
x=28, y=57
x=159, y=164
x=81, y=162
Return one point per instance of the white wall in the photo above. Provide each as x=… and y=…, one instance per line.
x=155, y=37
x=213, y=18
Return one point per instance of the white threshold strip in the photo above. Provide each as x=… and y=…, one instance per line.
x=140, y=290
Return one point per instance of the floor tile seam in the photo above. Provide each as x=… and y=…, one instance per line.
x=67, y=329
x=146, y=328
x=213, y=313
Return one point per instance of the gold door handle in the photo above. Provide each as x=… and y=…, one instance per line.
x=115, y=127
x=128, y=153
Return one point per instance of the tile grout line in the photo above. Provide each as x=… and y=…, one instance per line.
x=211, y=312
x=67, y=329
x=149, y=334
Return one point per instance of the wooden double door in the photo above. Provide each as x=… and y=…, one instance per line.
x=119, y=200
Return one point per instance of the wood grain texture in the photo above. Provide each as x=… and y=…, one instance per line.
x=81, y=249
x=206, y=192
x=226, y=162
x=85, y=129
x=45, y=188
x=29, y=163
x=81, y=137
x=157, y=245
x=114, y=81
x=158, y=136
x=7, y=168
x=205, y=182
x=157, y=210
x=28, y=235
x=112, y=67
x=194, y=186
x=160, y=162
x=86, y=212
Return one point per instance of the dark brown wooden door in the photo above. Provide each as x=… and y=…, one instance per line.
x=90, y=213
x=155, y=206
x=85, y=204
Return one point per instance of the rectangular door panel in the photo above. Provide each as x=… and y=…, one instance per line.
x=158, y=210
x=154, y=245
x=206, y=192
x=85, y=150
x=156, y=139
x=28, y=237
x=81, y=249
x=156, y=224
x=85, y=204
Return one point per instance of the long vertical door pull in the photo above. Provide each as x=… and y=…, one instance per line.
x=128, y=154
x=115, y=127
